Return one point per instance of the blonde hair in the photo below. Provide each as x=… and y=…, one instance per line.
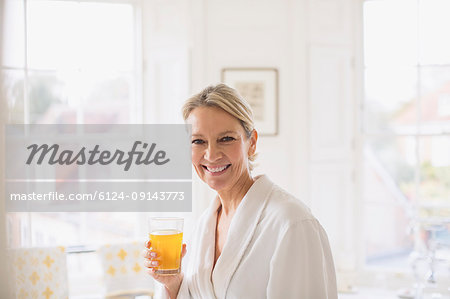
x=228, y=99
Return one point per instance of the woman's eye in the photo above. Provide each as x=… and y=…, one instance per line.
x=227, y=139
x=197, y=141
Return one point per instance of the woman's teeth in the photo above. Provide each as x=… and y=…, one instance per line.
x=216, y=169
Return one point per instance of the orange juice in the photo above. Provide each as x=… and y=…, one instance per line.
x=167, y=244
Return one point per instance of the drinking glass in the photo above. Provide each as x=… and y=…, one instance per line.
x=166, y=237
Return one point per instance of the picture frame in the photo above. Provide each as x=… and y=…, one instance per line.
x=259, y=87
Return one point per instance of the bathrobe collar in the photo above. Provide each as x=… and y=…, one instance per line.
x=240, y=233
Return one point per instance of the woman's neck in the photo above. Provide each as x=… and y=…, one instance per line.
x=230, y=199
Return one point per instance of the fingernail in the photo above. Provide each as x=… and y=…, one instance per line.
x=153, y=254
x=154, y=263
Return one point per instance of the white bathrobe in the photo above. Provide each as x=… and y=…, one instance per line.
x=275, y=249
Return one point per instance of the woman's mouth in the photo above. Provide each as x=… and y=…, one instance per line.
x=216, y=169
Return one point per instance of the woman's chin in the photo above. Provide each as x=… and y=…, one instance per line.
x=215, y=185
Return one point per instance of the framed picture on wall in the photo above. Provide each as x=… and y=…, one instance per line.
x=259, y=87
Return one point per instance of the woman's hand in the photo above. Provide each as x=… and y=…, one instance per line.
x=172, y=283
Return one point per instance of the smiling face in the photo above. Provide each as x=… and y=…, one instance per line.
x=220, y=149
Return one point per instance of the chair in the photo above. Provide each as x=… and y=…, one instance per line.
x=124, y=273
x=38, y=273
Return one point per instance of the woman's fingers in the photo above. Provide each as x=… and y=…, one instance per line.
x=151, y=264
x=149, y=254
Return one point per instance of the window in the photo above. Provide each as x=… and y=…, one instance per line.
x=406, y=130
x=72, y=62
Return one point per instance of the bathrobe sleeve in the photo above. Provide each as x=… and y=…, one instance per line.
x=302, y=264
x=184, y=293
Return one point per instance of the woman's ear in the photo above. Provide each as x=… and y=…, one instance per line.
x=253, y=139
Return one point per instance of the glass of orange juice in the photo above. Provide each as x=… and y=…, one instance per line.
x=166, y=237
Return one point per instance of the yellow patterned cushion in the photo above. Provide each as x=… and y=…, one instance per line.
x=123, y=267
x=38, y=273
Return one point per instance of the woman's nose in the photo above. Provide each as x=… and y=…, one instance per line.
x=213, y=153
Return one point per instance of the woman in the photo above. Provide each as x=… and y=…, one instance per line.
x=255, y=240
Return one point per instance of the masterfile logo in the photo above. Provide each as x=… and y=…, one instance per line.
x=98, y=168
x=91, y=157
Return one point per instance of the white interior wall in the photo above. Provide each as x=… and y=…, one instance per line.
x=260, y=34
x=332, y=108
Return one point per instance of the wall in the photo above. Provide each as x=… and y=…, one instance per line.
x=332, y=109
x=263, y=34
x=260, y=34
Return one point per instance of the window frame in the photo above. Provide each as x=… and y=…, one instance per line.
x=369, y=275
x=136, y=114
